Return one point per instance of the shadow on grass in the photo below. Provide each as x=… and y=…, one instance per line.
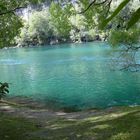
x=123, y=125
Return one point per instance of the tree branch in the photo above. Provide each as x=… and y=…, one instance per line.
x=101, y=2
x=92, y=3
x=11, y=11
x=109, y=4
x=131, y=65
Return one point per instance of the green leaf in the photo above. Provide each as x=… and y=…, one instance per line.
x=6, y=90
x=119, y=8
x=135, y=17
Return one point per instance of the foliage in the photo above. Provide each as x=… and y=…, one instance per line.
x=59, y=19
x=115, y=13
x=118, y=37
x=128, y=42
x=3, y=89
x=134, y=19
x=89, y=17
x=39, y=26
x=95, y=13
x=55, y=24
x=78, y=27
x=106, y=7
x=10, y=25
x=38, y=29
x=10, y=22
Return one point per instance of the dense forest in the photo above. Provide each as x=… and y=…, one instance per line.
x=50, y=22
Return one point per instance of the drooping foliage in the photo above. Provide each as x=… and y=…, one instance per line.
x=118, y=37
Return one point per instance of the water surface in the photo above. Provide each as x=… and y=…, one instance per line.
x=69, y=75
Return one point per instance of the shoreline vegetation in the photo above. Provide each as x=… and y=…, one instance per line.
x=59, y=41
x=39, y=123
x=52, y=44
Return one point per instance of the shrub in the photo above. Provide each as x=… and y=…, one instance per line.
x=3, y=89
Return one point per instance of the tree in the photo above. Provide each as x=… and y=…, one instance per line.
x=37, y=30
x=10, y=22
x=128, y=44
x=107, y=3
x=59, y=19
x=60, y=10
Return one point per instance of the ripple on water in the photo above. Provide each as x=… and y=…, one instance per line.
x=11, y=62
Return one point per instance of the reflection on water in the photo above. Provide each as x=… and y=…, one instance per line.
x=69, y=76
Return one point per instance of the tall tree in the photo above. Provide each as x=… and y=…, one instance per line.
x=10, y=22
x=59, y=18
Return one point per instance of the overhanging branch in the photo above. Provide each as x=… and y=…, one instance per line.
x=11, y=11
x=91, y=4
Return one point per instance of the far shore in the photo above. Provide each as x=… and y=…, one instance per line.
x=50, y=45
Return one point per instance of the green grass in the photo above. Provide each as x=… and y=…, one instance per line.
x=122, y=124
x=13, y=128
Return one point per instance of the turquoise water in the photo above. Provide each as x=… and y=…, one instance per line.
x=69, y=75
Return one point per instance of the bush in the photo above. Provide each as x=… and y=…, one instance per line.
x=3, y=89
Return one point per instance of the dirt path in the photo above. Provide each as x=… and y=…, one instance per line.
x=42, y=114
x=33, y=110
x=28, y=108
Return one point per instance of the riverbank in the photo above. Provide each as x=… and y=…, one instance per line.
x=118, y=123
x=52, y=45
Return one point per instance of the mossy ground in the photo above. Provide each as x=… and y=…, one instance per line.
x=120, y=124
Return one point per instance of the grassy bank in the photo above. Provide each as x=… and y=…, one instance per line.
x=15, y=128
x=113, y=124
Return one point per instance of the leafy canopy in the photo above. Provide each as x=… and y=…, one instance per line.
x=96, y=12
x=10, y=22
x=118, y=37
